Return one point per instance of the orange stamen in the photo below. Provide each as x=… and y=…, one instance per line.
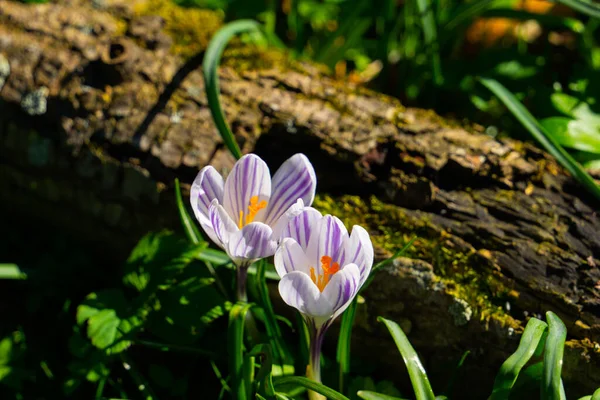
x=329, y=269
x=253, y=208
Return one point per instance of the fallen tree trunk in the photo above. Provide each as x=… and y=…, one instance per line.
x=102, y=107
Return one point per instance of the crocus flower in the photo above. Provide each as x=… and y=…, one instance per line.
x=322, y=269
x=241, y=214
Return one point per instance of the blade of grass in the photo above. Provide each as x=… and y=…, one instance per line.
x=425, y=8
x=189, y=224
x=235, y=342
x=552, y=387
x=510, y=369
x=541, y=135
x=211, y=61
x=11, y=271
x=311, y=385
x=584, y=7
x=416, y=371
x=369, y=395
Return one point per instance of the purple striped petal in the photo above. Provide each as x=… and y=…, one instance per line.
x=328, y=239
x=284, y=220
x=290, y=257
x=302, y=226
x=250, y=177
x=342, y=288
x=224, y=228
x=294, y=180
x=298, y=291
x=359, y=251
x=252, y=242
x=207, y=186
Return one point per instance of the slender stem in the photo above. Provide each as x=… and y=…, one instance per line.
x=242, y=275
x=313, y=371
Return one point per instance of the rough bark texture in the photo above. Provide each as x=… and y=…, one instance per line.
x=103, y=104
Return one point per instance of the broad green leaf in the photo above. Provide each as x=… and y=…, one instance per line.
x=310, y=385
x=11, y=271
x=416, y=371
x=510, y=369
x=552, y=387
x=369, y=395
x=541, y=135
x=189, y=224
x=235, y=344
x=212, y=58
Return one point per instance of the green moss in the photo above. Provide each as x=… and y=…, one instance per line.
x=459, y=267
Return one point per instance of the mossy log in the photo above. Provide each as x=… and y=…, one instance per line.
x=103, y=105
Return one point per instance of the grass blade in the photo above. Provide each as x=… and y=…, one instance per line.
x=343, y=347
x=235, y=342
x=541, y=135
x=189, y=224
x=584, y=7
x=210, y=64
x=552, y=387
x=11, y=271
x=510, y=369
x=425, y=8
x=369, y=395
x=417, y=374
x=311, y=385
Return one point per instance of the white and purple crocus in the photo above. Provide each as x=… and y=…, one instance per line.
x=246, y=213
x=322, y=268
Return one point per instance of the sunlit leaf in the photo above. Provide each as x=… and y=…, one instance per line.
x=369, y=395
x=11, y=271
x=552, y=387
x=510, y=369
x=235, y=344
x=310, y=385
x=189, y=224
x=416, y=371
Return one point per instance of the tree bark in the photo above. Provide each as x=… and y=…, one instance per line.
x=101, y=109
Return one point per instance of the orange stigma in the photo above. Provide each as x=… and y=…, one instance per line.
x=253, y=208
x=328, y=270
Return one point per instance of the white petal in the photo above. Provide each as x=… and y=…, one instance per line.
x=327, y=239
x=294, y=180
x=285, y=219
x=207, y=186
x=303, y=226
x=221, y=223
x=250, y=177
x=252, y=242
x=359, y=251
x=342, y=288
x=290, y=257
x=299, y=291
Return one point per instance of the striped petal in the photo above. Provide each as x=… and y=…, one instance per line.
x=302, y=226
x=207, y=186
x=359, y=251
x=298, y=291
x=249, y=182
x=252, y=242
x=290, y=257
x=284, y=220
x=294, y=180
x=221, y=223
x=328, y=239
x=342, y=288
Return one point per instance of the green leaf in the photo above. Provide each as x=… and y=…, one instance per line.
x=416, y=371
x=212, y=58
x=310, y=385
x=583, y=6
x=425, y=8
x=343, y=347
x=235, y=344
x=552, y=387
x=11, y=271
x=369, y=395
x=107, y=322
x=575, y=134
x=264, y=378
x=510, y=369
x=596, y=395
x=189, y=224
x=541, y=135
